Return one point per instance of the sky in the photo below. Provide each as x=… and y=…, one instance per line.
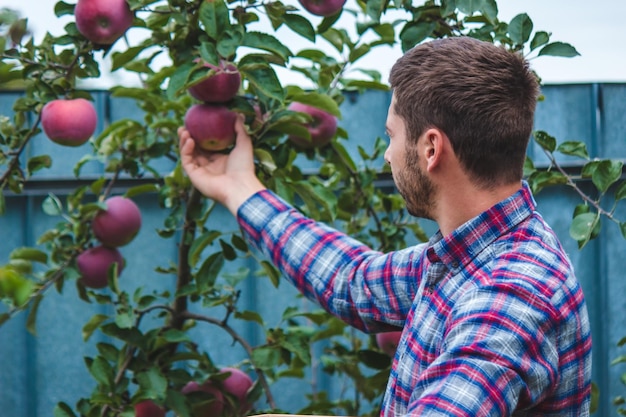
x=595, y=29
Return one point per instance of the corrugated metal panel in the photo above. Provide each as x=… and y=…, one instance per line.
x=37, y=372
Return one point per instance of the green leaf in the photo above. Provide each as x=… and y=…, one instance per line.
x=415, y=32
x=263, y=79
x=152, y=383
x=266, y=42
x=359, y=52
x=574, y=148
x=229, y=41
x=266, y=357
x=119, y=59
x=141, y=189
x=541, y=38
x=125, y=318
x=622, y=227
x=208, y=53
x=375, y=8
x=559, y=49
x=52, y=205
x=265, y=159
x=214, y=17
x=207, y=275
x=302, y=26
x=61, y=9
x=175, y=336
x=92, y=325
x=326, y=23
x=335, y=38
x=606, y=173
x=271, y=272
x=544, y=140
x=520, y=28
x=29, y=254
x=320, y=101
x=179, y=79
x=227, y=250
x=490, y=10
x=540, y=179
x=250, y=316
x=63, y=410
x=469, y=7
x=620, y=192
x=37, y=163
x=239, y=243
x=32, y=315
x=582, y=226
x=102, y=371
x=3, y=203
x=199, y=244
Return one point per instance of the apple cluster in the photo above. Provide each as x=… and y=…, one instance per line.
x=211, y=123
x=114, y=227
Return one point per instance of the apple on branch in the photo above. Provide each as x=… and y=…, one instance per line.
x=220, y=85
x=238, y=383
x=148, y=408
x=103, y=21
x=119, y=223
x=323, y=8
x=388, y=342
x=94, y=265
x=211, y=126
x=322, y=126
x=69, y=122
x=208, y=403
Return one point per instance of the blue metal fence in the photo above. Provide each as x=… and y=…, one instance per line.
x=37, y=372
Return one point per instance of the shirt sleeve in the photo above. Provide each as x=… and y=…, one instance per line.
x=347, y=278
x=499, y=355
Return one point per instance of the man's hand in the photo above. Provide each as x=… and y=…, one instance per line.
x=226, y=178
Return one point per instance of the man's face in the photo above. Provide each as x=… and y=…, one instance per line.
x=404, y=159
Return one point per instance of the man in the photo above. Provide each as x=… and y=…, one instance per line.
x=494, y=321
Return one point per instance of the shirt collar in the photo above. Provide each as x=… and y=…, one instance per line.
x=468, y=240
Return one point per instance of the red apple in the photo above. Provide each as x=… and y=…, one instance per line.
x=214, y=404
x=211, y=126
x=322, y=7
x=69, y=122
x=94, y=264
x=221, y=85
x=103, y=21
x=322, y=127
x=388, y=342
x=147, y=408
x=119, y=223
x=238, y=383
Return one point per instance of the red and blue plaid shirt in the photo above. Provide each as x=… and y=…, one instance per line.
x=495, y=323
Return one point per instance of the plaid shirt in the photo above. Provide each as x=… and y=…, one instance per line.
x=495, y=323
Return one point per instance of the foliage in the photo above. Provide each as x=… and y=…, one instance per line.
x=150, y=353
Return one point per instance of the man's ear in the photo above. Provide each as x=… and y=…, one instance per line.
x=434, y=148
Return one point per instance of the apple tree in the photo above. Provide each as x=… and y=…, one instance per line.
x=207, y=60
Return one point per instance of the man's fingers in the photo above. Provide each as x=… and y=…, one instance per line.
x=243, y=141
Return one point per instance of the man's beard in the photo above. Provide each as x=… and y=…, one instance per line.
x=416, y=188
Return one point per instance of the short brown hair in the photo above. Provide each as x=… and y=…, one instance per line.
x=482, y=96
